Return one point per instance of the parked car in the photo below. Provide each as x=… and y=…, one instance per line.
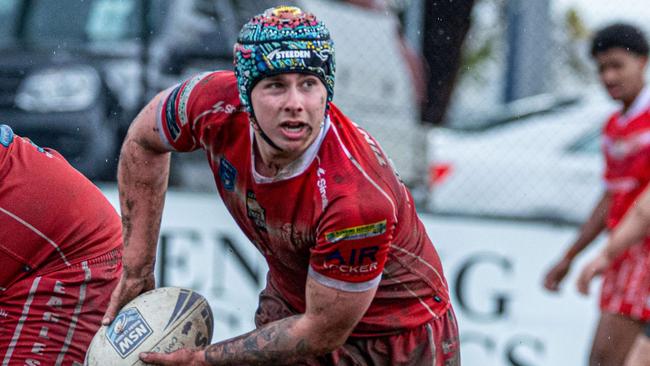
x=71, y=74
x=74, y=73
x=545, y=166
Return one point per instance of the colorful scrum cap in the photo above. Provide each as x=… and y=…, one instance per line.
x=280, y=40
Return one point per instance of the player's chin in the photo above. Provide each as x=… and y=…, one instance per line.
x=295, y=144
x=293, y=148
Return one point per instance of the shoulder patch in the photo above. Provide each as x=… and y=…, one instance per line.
x=357, y=232
x=185, y=96
x=6, y=135
x=228, y=174
x=170, y=114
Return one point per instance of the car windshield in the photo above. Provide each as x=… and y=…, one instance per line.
x=70, y=22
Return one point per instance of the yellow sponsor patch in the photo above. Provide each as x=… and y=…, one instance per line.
x=357, y=232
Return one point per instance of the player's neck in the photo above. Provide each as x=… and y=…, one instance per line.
x=266, y=162
x=628, y=102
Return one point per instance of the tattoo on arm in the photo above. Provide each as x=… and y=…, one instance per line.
x=274, y=343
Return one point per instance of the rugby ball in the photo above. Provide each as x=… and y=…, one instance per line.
x=162, y=320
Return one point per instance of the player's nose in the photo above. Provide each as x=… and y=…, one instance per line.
x=294, y=101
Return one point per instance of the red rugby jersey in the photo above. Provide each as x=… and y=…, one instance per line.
x=51, y=215
x=626, y=146
x=338, y=214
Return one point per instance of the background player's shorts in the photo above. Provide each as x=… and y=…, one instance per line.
x=626, y=285
x=435, y=343
x=50, y=319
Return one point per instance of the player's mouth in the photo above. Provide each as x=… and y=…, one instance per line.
x=294, y=130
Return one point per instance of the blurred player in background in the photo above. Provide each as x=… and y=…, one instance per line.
x=60, y=256
x=621, y=53
x=353, y=277
x=631, y=232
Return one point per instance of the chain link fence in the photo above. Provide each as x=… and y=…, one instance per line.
x=536, y=156
x=521, y=133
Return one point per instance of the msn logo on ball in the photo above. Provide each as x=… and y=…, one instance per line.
x=128, y=331
x=361, y=260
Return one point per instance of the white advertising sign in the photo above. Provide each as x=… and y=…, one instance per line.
x=495, y=272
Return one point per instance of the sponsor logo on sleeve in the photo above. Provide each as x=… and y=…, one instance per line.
x=6, y=135
x=228, y=174
x=171, y=115
x=218, y=107
x=357, y=232
x=128, y=331
x=357, y=260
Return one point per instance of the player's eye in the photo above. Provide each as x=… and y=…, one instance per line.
x=273, y=85
x=309, y=82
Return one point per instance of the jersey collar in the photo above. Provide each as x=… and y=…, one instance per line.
x=639, y=106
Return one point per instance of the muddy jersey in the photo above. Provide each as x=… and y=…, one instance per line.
x=66, y=220
x=626, y=146
x=338, y=213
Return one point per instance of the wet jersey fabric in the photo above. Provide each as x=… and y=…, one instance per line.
x=48, y=223
x=50, y=319
x=626, y=147
x=338, y=213
x=60, y=251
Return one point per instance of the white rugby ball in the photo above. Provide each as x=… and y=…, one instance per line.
x=162, y=320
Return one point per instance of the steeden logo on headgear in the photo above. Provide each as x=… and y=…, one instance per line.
x=285, y=54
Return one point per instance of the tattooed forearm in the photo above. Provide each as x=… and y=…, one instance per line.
x=277, y=343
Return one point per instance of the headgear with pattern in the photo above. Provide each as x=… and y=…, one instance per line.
x=280, y=40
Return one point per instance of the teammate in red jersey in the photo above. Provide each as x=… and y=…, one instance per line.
x=60, y=251
x=631, y=232
x=353, y=277
x=621, y=52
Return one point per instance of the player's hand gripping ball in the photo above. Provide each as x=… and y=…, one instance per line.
x=162, y=320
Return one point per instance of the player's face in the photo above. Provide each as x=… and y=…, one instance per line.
x=290, y=109
x=621, y=72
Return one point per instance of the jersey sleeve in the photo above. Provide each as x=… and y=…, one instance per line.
x=353, y=241
x=189, y=109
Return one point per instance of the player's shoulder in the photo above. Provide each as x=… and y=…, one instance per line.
x=218, y=83
x=360, y=147
x=350, y=186
x=221, y=77
x=211, y=92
